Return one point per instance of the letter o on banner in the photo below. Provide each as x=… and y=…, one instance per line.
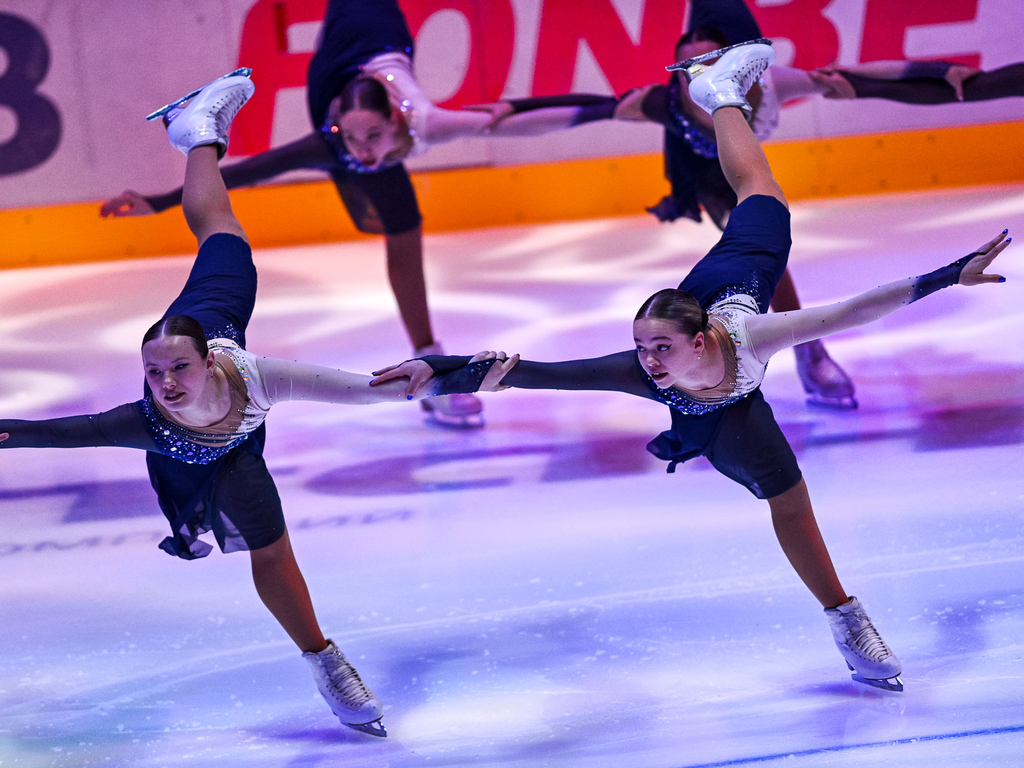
x=491, y=41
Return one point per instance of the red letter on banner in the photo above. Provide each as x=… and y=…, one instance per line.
x=492, y=39
x=563, y=24
x=813, y=36
x=886, y=23
x=265, y=48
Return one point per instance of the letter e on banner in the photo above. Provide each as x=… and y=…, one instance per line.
x=886, y=23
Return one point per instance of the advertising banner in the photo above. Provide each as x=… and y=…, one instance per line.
x=77, y=77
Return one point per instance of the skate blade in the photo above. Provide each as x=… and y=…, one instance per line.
x=243, y=71
x=845, y=403
x=376, y=728
x=449, y=420
x=475, y=421
x=693, y=67
x=888, y=684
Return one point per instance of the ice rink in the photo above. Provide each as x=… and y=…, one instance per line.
x=539, y=592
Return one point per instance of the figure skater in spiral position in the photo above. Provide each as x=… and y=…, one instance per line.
x=691, y=152
x=702, y=350
x=369, y=115
x=201, y=419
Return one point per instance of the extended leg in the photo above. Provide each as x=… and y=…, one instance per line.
x=797, y=531
x=743, y=160
x=405, y=272
x=205, y=200
x=282, y=589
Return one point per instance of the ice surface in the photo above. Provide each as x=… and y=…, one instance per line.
x=539, y=592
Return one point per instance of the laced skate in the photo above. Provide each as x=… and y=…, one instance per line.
x=206, y=118
x=344, y=691
x=866, y=653
x=726, y=82
x=463, y=411
x=693, y=67
x=825, y=383
x=240, y=72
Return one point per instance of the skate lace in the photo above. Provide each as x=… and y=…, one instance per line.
x=867, y=640
x=345, y=680
x=228, y=108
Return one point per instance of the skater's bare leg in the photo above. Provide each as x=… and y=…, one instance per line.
x=743, y=160
x=405, y=272
x=282, y=589
x=785, y=299
x=797, y=531
x=204, y=199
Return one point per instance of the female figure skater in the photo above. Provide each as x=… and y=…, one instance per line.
x=369, y=114
x=201, y=420
x=702, y=350
x=691, y=151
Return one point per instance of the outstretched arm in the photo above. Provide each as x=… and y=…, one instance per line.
x=307, y=152
x=770, y=333
x=123, y=426
x=616, y=373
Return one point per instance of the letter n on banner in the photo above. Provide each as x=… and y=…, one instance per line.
x=564, y=23
x=264, y=47
x=491, y=39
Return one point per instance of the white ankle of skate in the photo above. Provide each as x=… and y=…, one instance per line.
x=344, y=691
x=726, y=82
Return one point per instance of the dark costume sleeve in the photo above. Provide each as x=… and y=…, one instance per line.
x=924, y=83
x=124, y=426
x=308, y=152
x=615, y=373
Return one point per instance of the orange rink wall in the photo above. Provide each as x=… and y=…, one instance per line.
x=310, y=212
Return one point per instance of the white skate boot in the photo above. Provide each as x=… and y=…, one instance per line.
x=866, y=654
x=344, y=691
x=206, y=118
x=824, y=381
x=462, y=410
x=726, y=82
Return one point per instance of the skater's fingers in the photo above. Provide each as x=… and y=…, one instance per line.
x=4, y=436
x=498, y=371
x=386, y=369
x=993, y=242
x=486, y=354
x=417, y=380
x=393, y=372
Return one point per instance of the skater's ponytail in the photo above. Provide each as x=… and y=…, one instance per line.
x=678, y=307
x=365, y=93
x=179, y=325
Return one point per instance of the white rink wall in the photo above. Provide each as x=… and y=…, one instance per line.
x=82, y=75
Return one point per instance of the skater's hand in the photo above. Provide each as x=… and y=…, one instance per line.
x=128, y=203
x=498, y=111
x=503, y=364
x=973, y=272
x=956, y=75
x=4, y=436
x=631, y=104
x=832, y=81
x=417, y=371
